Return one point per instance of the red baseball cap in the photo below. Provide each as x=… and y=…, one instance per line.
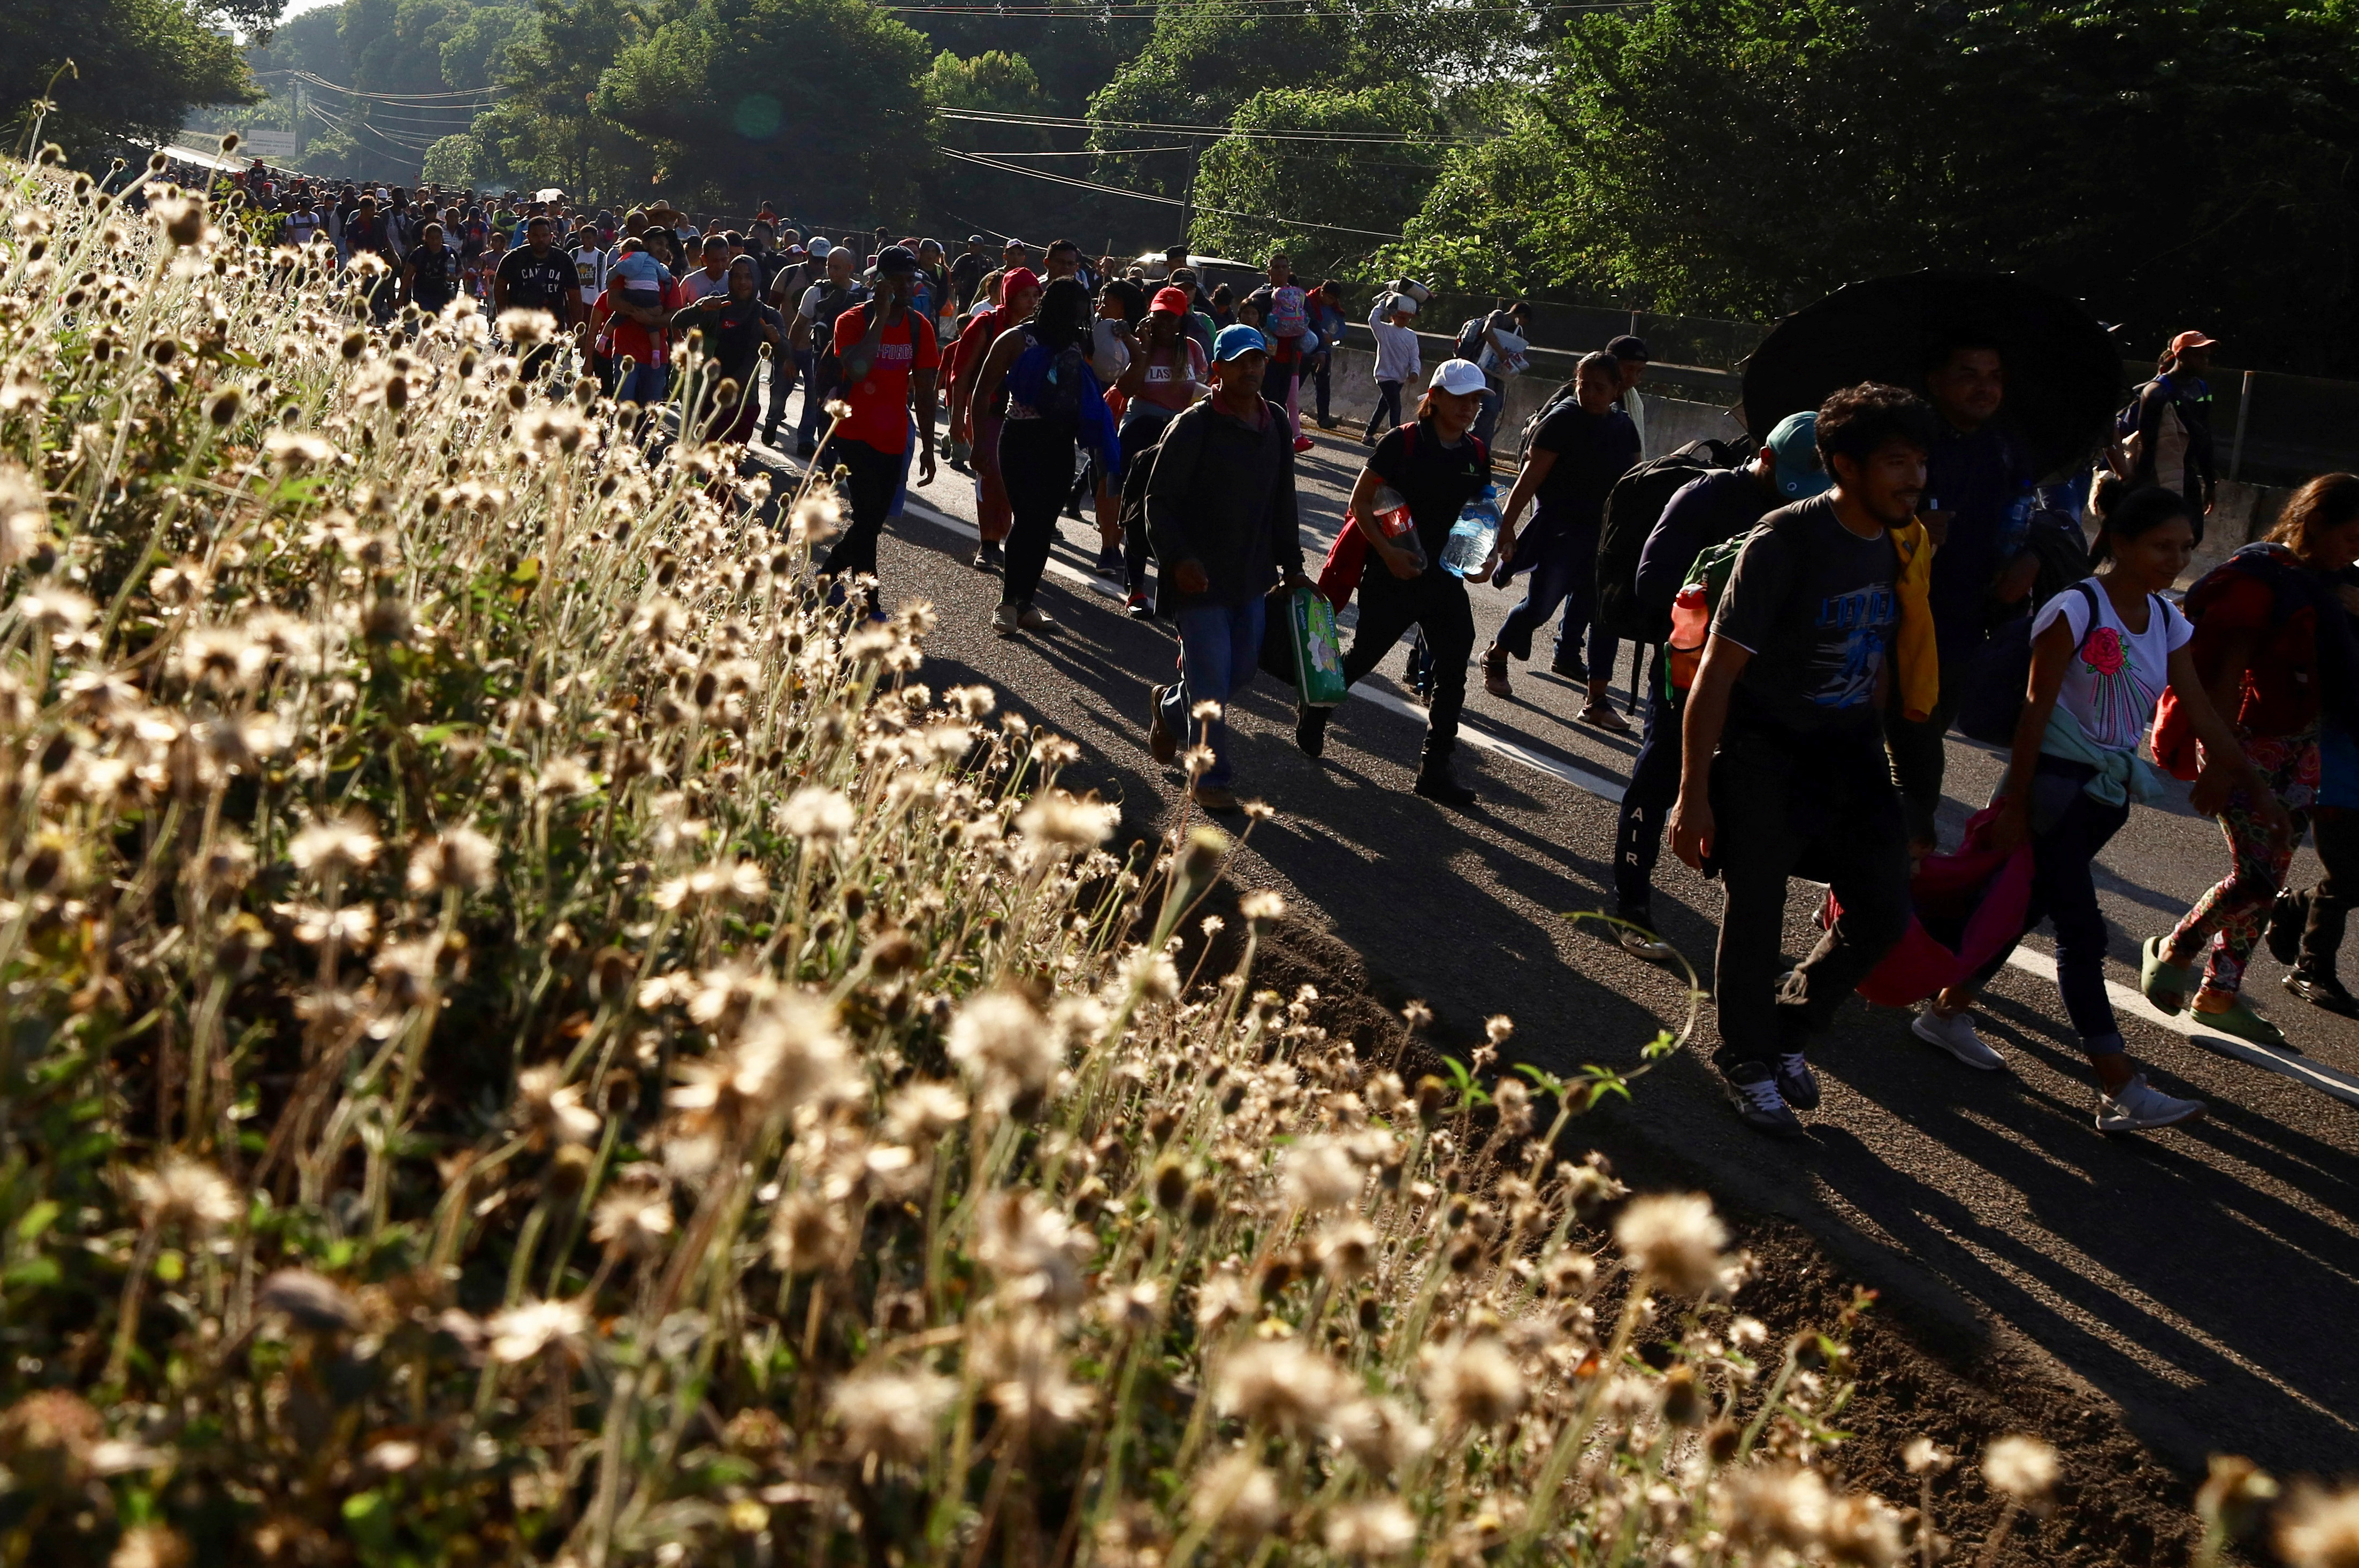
x=2185, y=341
x=1171, y=302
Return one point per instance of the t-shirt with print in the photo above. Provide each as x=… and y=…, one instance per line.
x=1437, y=481
x=537, y=282
x=1172, y=378
x=1814, y=603
x=590, y=265
x=880, y=405
x=2116, y=676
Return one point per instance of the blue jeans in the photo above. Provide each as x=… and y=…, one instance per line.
x=1486, y=423
x=1220, y=648
x=814, y=414
x=645, y=384
x=1566, y=573
x=1388, y=409
x=1646, y=804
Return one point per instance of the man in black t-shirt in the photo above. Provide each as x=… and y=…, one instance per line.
x=966, y=273
x=429, y=273
x=536, y=276
x=1583, y=446
x=1783, y=769
x=1438, y=466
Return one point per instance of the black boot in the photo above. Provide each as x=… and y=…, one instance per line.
x=1310, y=729
x=1434, y=782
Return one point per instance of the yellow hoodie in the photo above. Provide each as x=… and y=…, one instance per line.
x=1916, y=658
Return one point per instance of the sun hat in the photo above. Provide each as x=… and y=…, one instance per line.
x=1237, y=340
x=1459, y=377
x=1800, y=473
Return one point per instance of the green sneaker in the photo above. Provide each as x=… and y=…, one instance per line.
x=2238, y=1018
x=2161, y=982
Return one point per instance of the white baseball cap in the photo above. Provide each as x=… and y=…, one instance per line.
x=1459, y=377
x=820, y=244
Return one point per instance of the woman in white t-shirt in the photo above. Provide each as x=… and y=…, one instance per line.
x=2102, y=652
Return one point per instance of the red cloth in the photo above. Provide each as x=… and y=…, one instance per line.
x=632, y=340
x=2280, y=692
x=880, y=405
x=1346, y=563
x=1977, y=891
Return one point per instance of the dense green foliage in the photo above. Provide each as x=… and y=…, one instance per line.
x=138, y=67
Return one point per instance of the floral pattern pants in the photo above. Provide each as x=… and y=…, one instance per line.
x=2229, y=917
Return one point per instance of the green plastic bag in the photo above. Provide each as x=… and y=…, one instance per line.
x=1318, y=655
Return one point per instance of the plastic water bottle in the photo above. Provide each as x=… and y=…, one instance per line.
x=1473, y=537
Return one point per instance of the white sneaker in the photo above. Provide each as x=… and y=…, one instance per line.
x=1955, y=1034
x=2138, y=1109
x=1003, y=621
x=1033, y=618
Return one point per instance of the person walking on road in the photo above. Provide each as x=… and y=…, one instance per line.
x=1782, y=765
x=1703, y=512
x=1581, y=447
x=2102, y=652
x=1019, y=294
x=1630, y=360
x=1165, y=377
x=887, y=360
x=2170, y=443
x=2306, y=926
x=1221, y=509
x=1438, y=466
x=536, y=276
x=1038, y=380
x=812, y=340
x=1978, y=504
x=2273, y=648
x=1394, y=324
x=724, y=397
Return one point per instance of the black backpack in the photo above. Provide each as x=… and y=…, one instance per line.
x=1470, y=339
x=1632, y=508
x=826, y=370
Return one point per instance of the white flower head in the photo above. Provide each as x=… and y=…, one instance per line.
x=817, y=814
x=519, y=1334
x=2022, y=1467
x=1675, y=1239
x=999, y=1040
x=893, y=1415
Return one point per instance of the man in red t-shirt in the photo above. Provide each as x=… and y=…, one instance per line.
x=636, y=333
x=888, y=360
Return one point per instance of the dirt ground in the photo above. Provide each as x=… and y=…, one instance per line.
x=1962, y=1386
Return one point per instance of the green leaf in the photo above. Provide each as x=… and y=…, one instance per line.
x=37, y=1220
x=32, y=1274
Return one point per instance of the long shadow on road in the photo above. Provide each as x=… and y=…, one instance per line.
x=2206, y=1280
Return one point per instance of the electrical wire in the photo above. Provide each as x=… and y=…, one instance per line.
x=409, y=99
x=1060, y=122
x=1280, y=224
x=1090, y=152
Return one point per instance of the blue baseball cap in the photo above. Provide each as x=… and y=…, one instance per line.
x=1239, y=339
x=1800, y=473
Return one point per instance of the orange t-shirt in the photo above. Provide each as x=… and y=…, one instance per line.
x=880, y=405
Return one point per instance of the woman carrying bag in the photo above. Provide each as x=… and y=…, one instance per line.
x=2103, y=653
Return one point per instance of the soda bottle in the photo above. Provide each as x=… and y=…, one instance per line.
x=1474, y=536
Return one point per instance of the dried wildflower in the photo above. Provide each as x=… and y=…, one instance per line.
x=46, y=1438
x=923, y=1111
x=1032, y=1249
x=1475, y=1382
x=1924, y=1456
x=1674, y=1239
x=1320, y=1174
x=1280, y=1385
x=817, y=815
x=1000, y=1041
x=296, y=448
x=24, y=514
x=185, y=1191
x=1058, y=819
x=1236, y=1496
x=1370, y=1529
x=632, y=1220
x=457, y=858
x=1022, y=1365
x=552, y=1107
x=789, y=1055
x=2235, y=1492
x=150, y=1546
x=2022, y=1467
x=1774, y=1505
x=526, y=327
x=1380, y=1433
x=519, y=1334
x=1862, y=1532
x=333, y=846
x=893, y=1415
x=808, y=1236
x=1348, y=1250
x=1261, y=905
x=310, y=1302
x=2320, y=1530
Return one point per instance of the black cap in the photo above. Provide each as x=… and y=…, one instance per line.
x=896, y=258
x=1628, y=347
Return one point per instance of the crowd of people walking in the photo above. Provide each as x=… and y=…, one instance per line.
x=1817, y=612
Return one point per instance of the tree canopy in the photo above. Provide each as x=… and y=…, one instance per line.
x=138, y=66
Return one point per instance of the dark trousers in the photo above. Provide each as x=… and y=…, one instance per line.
x=1565, y=574
x=871, y=478
x=1387, y=415
x=2325, y=909
x=1646, y=804
x=2069, y=828
x=1822, y=808
x=1319, y=370
x=1035, y=459
x=1140, y=433
x=1918, y=754
x=782, y=385
x=1435, y=602
x=814, y=414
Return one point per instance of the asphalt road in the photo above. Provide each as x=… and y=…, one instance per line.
x=2206, y=1279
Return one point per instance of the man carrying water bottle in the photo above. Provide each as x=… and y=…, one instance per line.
x=1440, y=467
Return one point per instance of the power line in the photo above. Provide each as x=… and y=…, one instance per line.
x=1093, y=152
x=1281, y=223
x=414, y=100
x=1061, y=122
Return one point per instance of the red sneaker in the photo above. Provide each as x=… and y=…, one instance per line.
x=1303, y=444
